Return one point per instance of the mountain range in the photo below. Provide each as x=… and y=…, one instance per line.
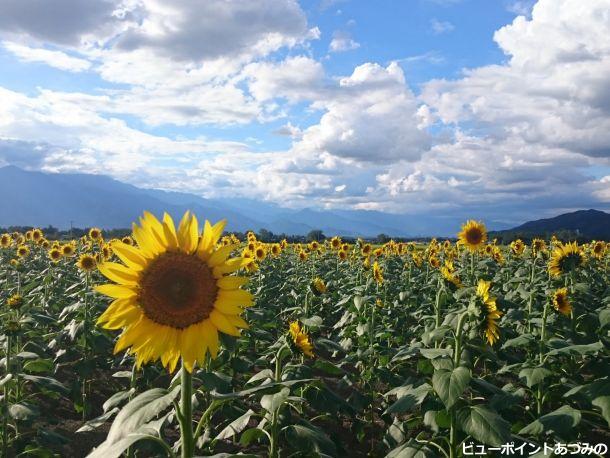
x=32, y=198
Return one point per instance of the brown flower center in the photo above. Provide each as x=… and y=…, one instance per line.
x=474, y=236
x=177, y=290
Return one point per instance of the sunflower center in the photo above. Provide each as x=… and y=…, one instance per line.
x=178, y=290
x=474, y=236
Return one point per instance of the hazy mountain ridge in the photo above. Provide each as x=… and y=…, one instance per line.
x=83, y=200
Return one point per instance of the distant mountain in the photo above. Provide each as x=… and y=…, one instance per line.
x=83, y=200
x=590, y=224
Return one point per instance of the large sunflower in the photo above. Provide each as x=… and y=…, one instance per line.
x=174, y=293
x=565, y=258
x=492, y=314
x=473, y=235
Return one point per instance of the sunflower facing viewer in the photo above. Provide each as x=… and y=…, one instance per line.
x=473, y=235
x=173, y=294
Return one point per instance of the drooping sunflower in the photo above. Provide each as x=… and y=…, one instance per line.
x=473, y=235
x=434, y=262
x=561, y=302
x=300, y=339
x=565, y=258
x=491, y=316
x=448, y=273
x=15, y=301
x=86, y=262
x=174, y=294
x=377, y=273
x=318, y=286
x=538, y=246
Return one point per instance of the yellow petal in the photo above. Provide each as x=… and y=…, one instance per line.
x=116, y=291
x=221, y=254
x=230, y=266
x=237, y=321
x=227, y=308
x=209, y=333
x=231, y=282
x=236, y=297
x=119, y=273
x=130, y=255
x=222, y=323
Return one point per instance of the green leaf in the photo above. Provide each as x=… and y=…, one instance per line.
x=236, y=426
x=408, y=397
x=534, y=375
x=604, y=318
x=577, y=349
x=432, y=353
x=140, y=410
x=272, y=402
x=38, y=365
x=521, y=341
x=328, y=367
x=117, y=398
x=312, y=322
x=603, y=402
x=561, y=421
x=411, y=450
x=310, y=438
x=450, y=384
x=484, y=425
x=98, y=421
x=116, y=449
x=250, y=435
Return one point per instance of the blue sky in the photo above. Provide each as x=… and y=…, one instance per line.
x=470, y=108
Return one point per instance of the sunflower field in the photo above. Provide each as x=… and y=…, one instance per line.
x=182, y=340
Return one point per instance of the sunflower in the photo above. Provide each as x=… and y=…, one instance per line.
x=565, y=258
x=15, y=301
x=276, y=249
x=335, y=243
x=127, y=240
x=44, y=243
x=106, y=251
x=67, y=250
x=174, y=294
x=517, y=247
x=598, y=249
x=435, y=263
x=55, y=255
x=303, y=255
x=86, y=262
x=260, y=253
x=95, y=233
x=314, y=246
x=366, y=249
x=250, y=262
x=473, y=235
x=318, y=286
x=37, y=235
x=342, y=254
x=301, y=339
x=23, y=251
x=5, y=240
x=417, y=259
x=492, y=314
x=489, y=249
x=28, y=235
x=538, y=246
x=561, y=302
x=377, y=273
x=448, y=273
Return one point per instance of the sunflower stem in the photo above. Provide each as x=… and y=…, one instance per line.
x=5, y=398
x=457, y=353
x=186, y=407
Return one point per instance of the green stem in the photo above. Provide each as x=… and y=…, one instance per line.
x=273, y=439
x=5, y=399
x=457, y=353
x=186, y=410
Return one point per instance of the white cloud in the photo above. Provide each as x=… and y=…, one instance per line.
x=342, y=42
x=57, y=59
x=440, y=27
